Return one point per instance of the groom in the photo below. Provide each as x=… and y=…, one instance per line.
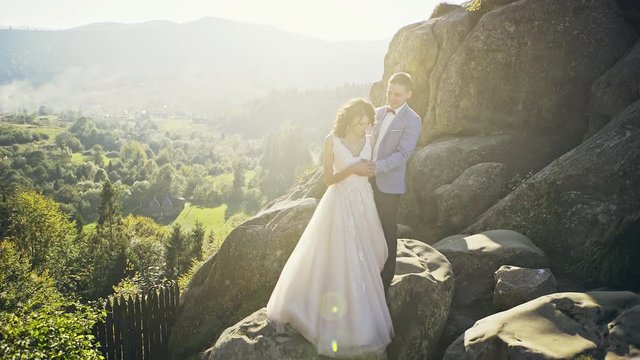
x=396, y=132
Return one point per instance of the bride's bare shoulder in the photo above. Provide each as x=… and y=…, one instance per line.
x=328, y=140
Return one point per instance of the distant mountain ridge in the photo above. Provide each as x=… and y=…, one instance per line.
x=195, y=66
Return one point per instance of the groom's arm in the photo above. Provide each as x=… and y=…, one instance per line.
x=408, y=141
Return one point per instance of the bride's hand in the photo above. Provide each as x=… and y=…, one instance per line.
x=365, y=168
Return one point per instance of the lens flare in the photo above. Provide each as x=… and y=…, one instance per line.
x=333, y=306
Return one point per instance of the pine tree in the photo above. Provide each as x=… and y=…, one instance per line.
x=174, y=250
x=109, y=214
x=197, y=236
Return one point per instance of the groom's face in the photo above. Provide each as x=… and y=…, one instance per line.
x=397, y=95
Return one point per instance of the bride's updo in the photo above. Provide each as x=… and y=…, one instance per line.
x=349, y=113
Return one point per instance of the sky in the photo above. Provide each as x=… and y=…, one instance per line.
x=332, y=20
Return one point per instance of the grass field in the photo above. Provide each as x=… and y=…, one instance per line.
x=211, y=218
x=184, y=127
x=52, y=131
x=78, y=158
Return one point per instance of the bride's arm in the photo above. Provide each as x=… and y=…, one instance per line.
x=329, y=176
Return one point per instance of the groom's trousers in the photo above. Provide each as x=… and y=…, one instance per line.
x=387, y=205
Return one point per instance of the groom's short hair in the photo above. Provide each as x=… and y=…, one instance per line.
x=402, y=78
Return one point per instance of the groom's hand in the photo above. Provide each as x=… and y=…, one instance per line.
x=365, y=168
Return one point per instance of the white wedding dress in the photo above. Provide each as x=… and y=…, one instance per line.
x=330, y=289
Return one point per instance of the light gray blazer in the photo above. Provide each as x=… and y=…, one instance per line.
x=395, y=147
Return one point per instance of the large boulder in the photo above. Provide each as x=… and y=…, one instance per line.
x=564, y=45
x=472, y=66
x=442, y=162
x=516, y=285
x=476, y=258
x=254, y=338
x=421, y=49
x=473, y=192
x=583, y=209
x=557, y=326
x=420, y=297
x=615, y=90
x=239, y=278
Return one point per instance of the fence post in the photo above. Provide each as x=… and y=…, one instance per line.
x=137, y=328
x=154, y=329
x=108, y=324
x=146, y=340
x=117, y=329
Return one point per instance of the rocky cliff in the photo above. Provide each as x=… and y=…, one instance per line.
x=529, y=157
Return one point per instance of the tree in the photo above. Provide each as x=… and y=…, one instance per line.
x=238, y=184
x=178, y=252
x=133, y=153
x=37, y=225
x=197, y=236
x=175, y=249
x=67, y=139
x=97, y=155
x=109, y=215
x=167, y=181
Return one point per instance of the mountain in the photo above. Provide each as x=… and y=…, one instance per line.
x=198, y=66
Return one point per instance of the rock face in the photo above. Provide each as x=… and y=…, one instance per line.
x=615, y=90
x=563, y=45
x=583, y=209
x=420, y=296
x=442, y=162
x=239, y=278
x=495, y=70
x=516, y=285
x=473, y=192
x=477, y=65
x=557, y=326
x=476, y=258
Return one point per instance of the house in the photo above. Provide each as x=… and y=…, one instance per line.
x=169, y=206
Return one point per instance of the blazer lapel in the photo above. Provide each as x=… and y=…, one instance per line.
x=376, y=129
x=396, y=119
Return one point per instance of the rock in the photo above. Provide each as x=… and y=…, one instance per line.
x=564, y=45
x=473, y=192
x=516, y=285
x=420, y=296
x=630, y=11
x=311, y=186
x=411, y=50
x=253, y=338
x=625, y=334
x=476, y=258
x=456, y=325
x=239, y=279
x=618, y=88
x=442, y=162
x=556, y=326
x=405, y=232
x=443, y=9
x=583, y=209
x=420, y=49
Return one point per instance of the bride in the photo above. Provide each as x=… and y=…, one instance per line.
x=330, y=289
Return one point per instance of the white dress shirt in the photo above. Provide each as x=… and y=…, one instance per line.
x=384, y=127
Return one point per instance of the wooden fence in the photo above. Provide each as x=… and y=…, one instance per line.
x=137, y=327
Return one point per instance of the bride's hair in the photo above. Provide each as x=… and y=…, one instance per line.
x=349, y=112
